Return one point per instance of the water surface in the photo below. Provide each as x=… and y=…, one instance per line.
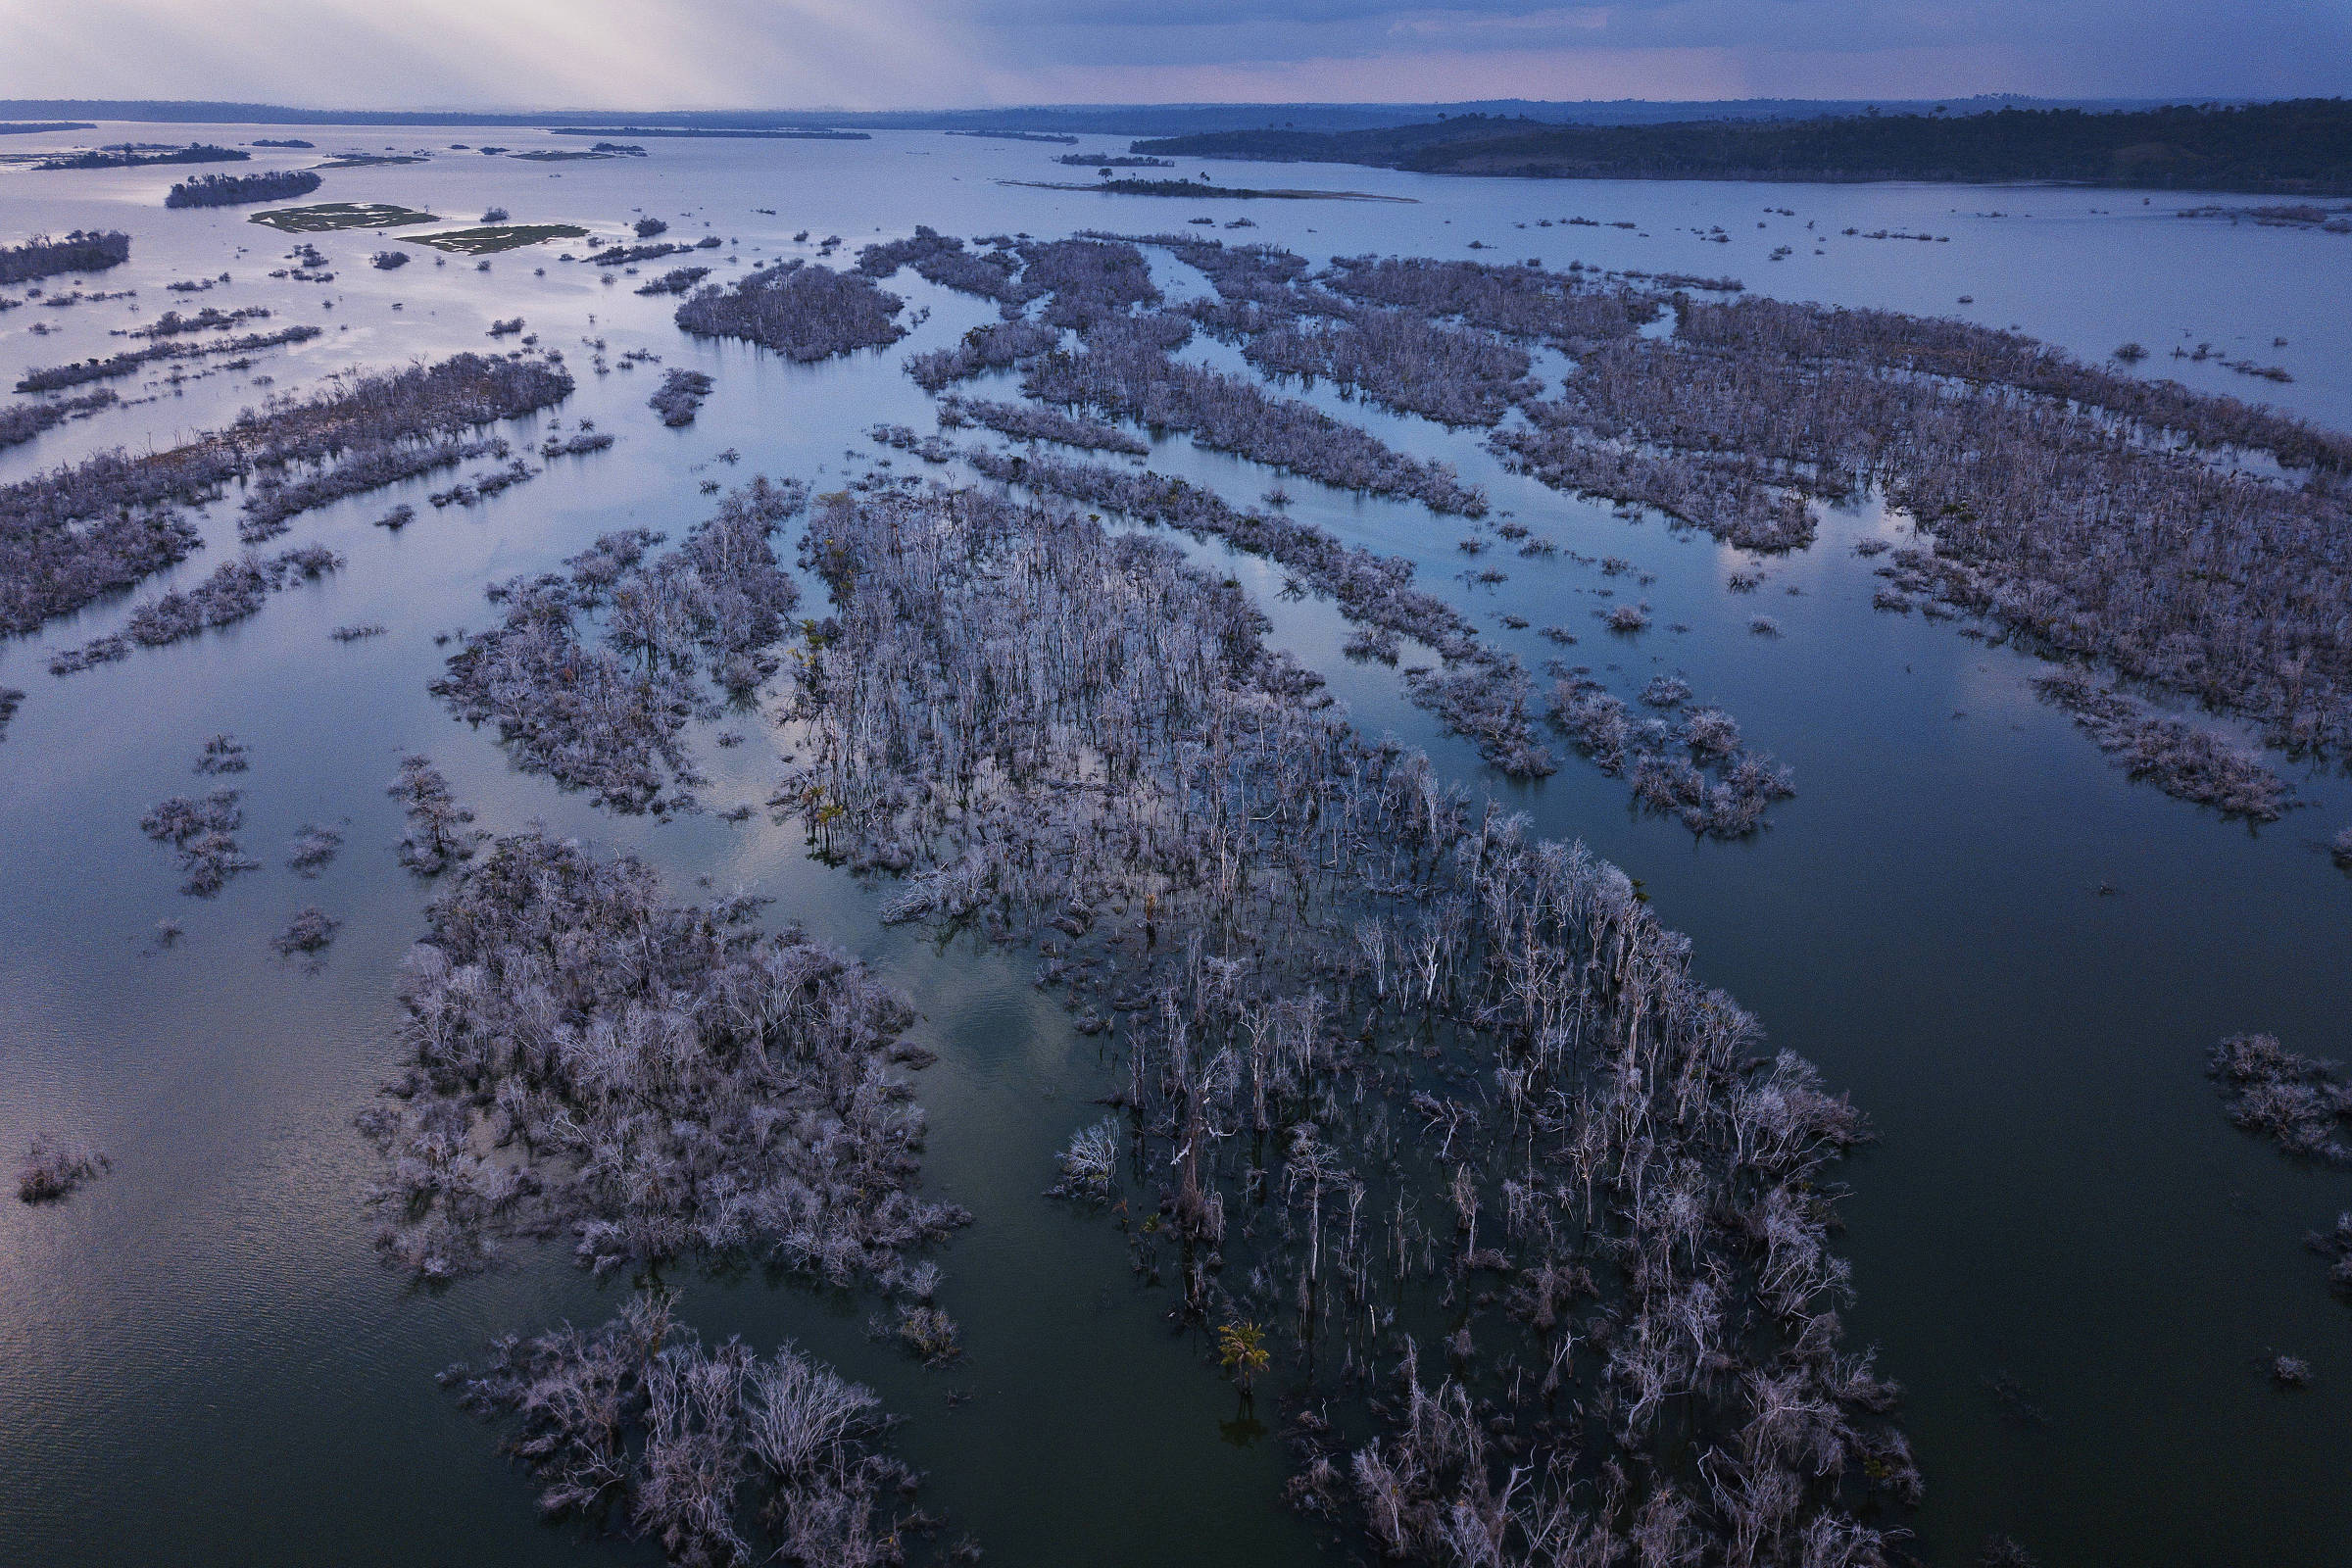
x=203, y=1360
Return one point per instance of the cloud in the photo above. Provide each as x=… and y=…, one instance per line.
x=894, y=53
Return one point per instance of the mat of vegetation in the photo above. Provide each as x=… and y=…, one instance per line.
x=331, y=215
x=2086, y=513
x=491, y=238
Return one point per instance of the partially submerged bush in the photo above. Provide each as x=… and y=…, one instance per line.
x=1447, y=373
x=996, y=347
x=681, y=396
x=1127, y=374
x=440, y=832
x=677, y=280
x=24, y=422
x=222, y=753
x=1686, y=761
x=929, y=1333
x=203, y=832
x=235, y=590
x=210, y=319
x=1025, y=422
x=2300, y=1103
x=311, y=931
x=315, y=848
x=57, y=377
x=128, y=156
x=942, y=258
x=1091, y=1163
x=52, y=1173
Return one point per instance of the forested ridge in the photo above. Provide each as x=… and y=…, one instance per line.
x=2299, y=146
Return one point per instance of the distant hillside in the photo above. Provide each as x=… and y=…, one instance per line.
x=1112, y=120
x=2301, y=147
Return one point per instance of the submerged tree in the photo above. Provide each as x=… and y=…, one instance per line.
x=440, y=832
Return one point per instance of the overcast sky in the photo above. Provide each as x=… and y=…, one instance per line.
x=879, y=53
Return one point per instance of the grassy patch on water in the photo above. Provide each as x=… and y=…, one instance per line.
x=494, y=237
x=367, y=160
x=330, y=216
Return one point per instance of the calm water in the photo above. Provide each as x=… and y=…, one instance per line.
x=201, y=1359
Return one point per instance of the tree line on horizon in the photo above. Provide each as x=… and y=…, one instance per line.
x=2301, y=146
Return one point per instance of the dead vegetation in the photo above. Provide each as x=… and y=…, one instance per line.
x=595, y=672
x=654, y=1079
x=1401, y=1080
x=720, y=1455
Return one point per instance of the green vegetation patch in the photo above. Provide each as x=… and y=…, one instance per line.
x=367, y=160
x=494, y=237
x=330, y=216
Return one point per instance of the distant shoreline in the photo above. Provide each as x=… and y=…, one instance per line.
x=1181, y=189
x=2300, y=147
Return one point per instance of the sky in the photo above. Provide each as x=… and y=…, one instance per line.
x=886, y=54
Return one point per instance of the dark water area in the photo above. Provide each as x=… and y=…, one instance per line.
x=2074, y=1264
